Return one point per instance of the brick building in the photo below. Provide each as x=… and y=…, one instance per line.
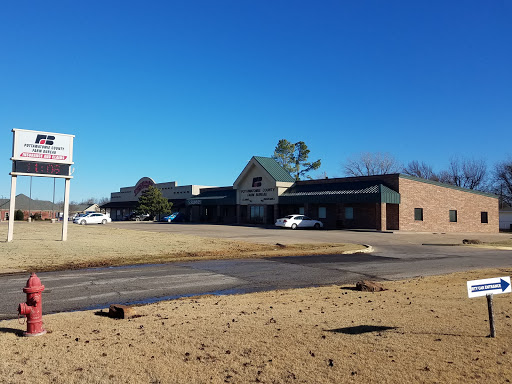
x=30, y=207
x=264, y=191
x=393, y=202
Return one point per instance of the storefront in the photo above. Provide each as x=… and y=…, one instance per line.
x=264, y=191
x=258, y=189
x=124, y=202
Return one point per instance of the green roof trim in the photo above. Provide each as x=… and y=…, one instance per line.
x=348, y=192
x=275, y=170
x=414, y=178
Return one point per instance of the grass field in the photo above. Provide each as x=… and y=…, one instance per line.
x=37, y=246
x=422, y=330
x=417, y=331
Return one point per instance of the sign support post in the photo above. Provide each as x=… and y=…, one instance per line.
x=66, y=210
x=491, y=315
x=489, y=288
x=10, y=230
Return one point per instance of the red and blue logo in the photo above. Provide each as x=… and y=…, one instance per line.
x=45, y=139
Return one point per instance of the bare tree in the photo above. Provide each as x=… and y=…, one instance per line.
x=465, y=173
x=503, y=181
x=367, y=164
x=423, y=170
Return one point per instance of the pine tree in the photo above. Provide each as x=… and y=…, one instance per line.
x=153, y=203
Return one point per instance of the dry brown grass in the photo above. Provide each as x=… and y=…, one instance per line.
x=37, y=247
x=430, y=333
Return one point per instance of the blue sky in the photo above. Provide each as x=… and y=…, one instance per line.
x=188, y=91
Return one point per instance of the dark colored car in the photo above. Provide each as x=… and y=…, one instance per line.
x=175, y=217
x=137, y=217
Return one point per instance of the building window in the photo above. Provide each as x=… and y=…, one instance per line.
x=453, y=216
x=301, y=210
x=418, y=214
x=349, y=213
x=322, y=212
x=484, y=217
x=257, y=212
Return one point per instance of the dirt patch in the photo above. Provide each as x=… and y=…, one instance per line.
x=37, y=247
x=422, y=330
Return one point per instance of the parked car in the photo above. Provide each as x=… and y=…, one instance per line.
x=76, y=215
x=298, y=221
x=174, y=217
x=137, y=217
x=92, y=218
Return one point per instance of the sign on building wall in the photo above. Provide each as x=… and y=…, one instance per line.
x=142, y=185
x=258, y=191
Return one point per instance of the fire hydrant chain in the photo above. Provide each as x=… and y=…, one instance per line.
x=33, y=307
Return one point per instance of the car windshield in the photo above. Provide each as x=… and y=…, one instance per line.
x=289, y=217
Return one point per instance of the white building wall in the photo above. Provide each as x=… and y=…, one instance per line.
x=506, y=219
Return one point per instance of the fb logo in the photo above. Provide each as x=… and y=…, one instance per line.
x=44, y=139
x=256, y=182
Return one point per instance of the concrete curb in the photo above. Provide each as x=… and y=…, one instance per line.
x=444, y=245
x=369, y=249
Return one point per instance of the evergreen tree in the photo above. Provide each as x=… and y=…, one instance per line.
x=293, y=157
x=18, y=215
x=153, y=203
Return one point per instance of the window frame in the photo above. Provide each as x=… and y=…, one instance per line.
x=452, y=214
x=418, y=214
x=484, y=217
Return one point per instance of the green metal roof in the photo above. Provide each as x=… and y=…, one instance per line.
x=274, y=169
x=343, y=192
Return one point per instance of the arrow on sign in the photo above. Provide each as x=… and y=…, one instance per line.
x=490, y=287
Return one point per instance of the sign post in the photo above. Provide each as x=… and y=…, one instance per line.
x=43, y=154
x=489, y=288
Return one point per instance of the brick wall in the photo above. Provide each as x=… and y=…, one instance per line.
x=437, y=201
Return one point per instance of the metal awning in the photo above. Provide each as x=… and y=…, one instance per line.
x=209, y=198
x=356, y=192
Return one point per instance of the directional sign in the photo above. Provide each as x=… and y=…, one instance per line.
x=485, y=287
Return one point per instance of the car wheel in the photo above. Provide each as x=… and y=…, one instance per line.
x=83, y=222
x=294, y=226
x=104, y=221
x=317, y=226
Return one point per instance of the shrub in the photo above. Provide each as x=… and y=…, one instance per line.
x=18, y=215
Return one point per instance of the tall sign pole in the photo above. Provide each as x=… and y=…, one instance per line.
x=41, y=154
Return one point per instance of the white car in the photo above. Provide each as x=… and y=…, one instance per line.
x=298, y=221
x=92, y=218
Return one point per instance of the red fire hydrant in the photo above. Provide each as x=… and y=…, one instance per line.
x=33, y=308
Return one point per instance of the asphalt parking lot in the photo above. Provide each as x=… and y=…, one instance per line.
x=272, y=235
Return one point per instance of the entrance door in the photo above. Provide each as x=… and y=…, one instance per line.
x=270, y=214
x=257, y=213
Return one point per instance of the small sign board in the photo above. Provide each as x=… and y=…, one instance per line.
x=42, y=146
x=493, y=286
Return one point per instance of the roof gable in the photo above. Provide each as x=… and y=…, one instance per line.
x=270, y=166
